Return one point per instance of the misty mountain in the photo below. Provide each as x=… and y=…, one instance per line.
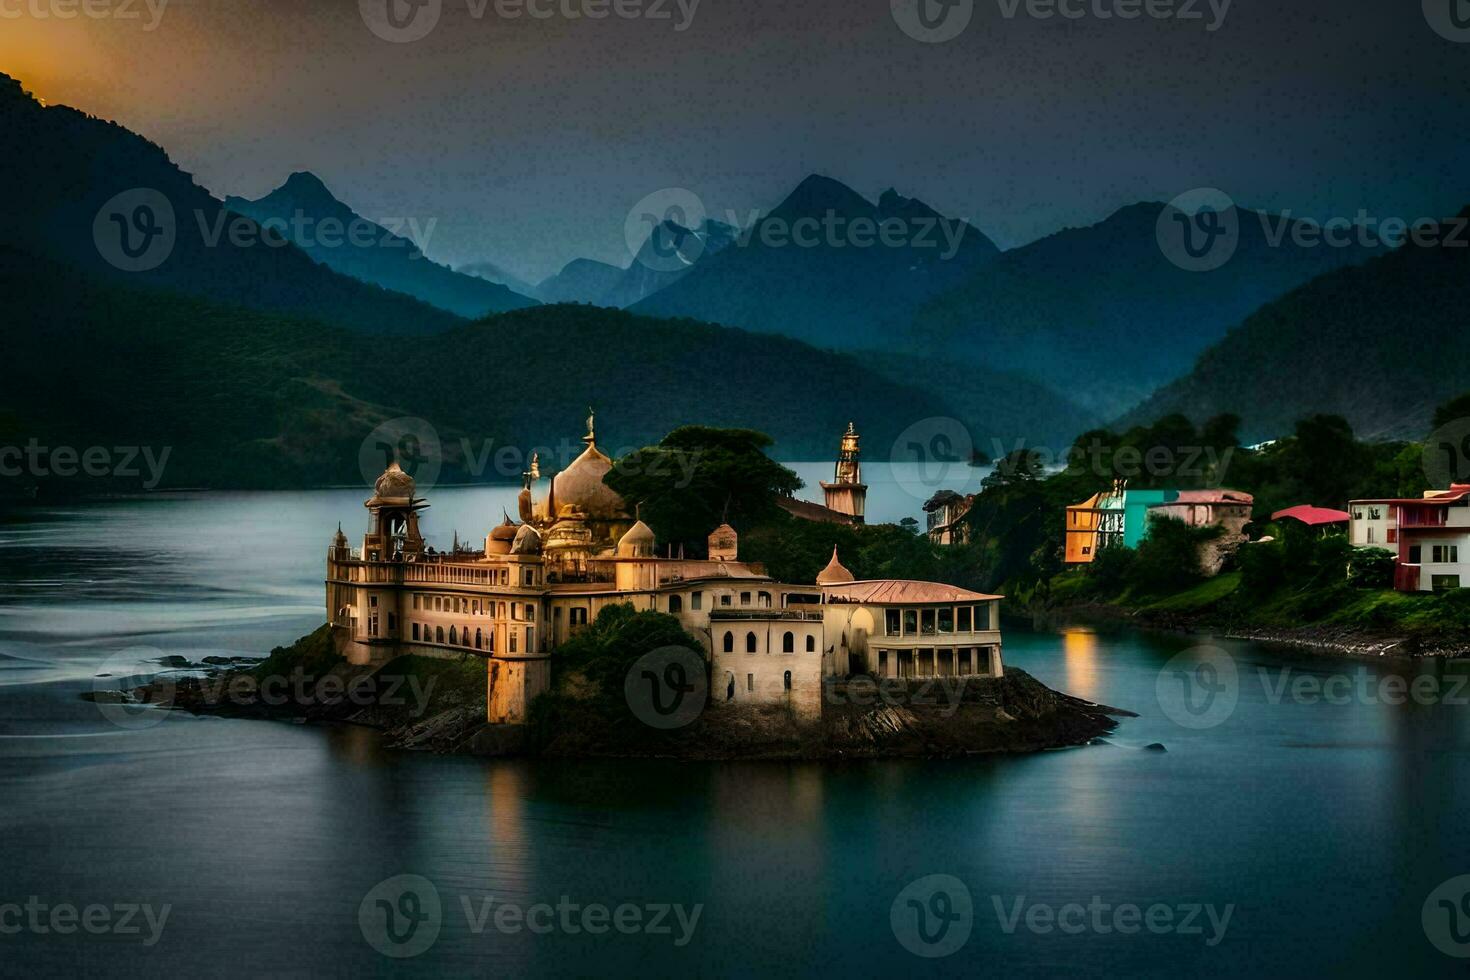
x=1103, y=315
x=93, y=194
x=830, y=268
x=305, y=212
x=580, y=281
x=1381, y=344
x=669, y=253
x=491, y=272
x=245, y=398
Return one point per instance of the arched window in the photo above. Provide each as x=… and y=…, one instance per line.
x=438, y=634
x=750, y=643
x=729, y=642
x=479, y=639
x=676, y=604
x=811, y=644
x=464, y=637
x=788, y=642
x=513, y=638
x=452, y=640
x=788, y=680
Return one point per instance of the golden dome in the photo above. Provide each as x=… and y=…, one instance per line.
x=394, y=484
x=580, y=485
x=834, y=573
x=637, y=543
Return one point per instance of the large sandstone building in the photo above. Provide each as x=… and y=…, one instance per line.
x=578, y=549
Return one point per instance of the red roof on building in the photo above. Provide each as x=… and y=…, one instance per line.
x=1456, y=492
x=899, y=591
x=1313, y=516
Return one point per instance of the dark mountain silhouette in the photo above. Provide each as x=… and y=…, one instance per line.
x=1102, y=315
x=252, y=399
x=1381, y=344
x=88, y=192
x=493, y=272
x=817, y=269
x=306, y=213
x=669, y=253
x=580, y=281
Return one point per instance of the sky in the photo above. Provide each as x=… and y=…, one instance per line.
x=526, y=140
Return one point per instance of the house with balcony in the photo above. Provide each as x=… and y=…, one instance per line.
x=1429, y=534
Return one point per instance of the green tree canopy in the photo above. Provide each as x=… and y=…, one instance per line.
x=698, y=477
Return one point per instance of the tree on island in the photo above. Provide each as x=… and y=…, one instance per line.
x=698, y=478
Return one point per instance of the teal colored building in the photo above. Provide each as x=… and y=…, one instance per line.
x=1135, y=512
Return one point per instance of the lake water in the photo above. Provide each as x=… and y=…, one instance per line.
x=1323, y=825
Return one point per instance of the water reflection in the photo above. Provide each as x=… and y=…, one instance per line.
x=1079, y=649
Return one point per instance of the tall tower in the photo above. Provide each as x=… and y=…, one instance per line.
x=847, y=494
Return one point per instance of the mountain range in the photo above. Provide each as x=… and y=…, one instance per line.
x=815, y=268
x=303, y=211
x=1381, y=344
x=88, y=192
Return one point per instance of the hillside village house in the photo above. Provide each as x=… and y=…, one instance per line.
x=579, y=549
x=1121, y=516
x=1430, y=536
x=946, y=512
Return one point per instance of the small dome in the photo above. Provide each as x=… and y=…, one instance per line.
x=637, y=543
x=506, y=531
x=394, y=484
x=527, y=542
x=834, y=573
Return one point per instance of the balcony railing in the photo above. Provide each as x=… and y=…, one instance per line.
x=791, y=615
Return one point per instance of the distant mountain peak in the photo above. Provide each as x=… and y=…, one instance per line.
x=306, y=182
x=818, y=194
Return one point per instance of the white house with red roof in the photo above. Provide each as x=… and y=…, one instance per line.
x=1431, y=535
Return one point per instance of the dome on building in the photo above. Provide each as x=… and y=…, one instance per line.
x=394, y=484
x=637, y=543
x=834, y=573
x=580, y=485
x=527, y=541
x=570, y=532
x=500, y=538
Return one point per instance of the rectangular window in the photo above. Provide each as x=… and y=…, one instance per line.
x=926, y=621
x=513, y=637
x=415, y=631
x=725, y=599
x=1370, y=535
x=750, y=682
x=1446, y=554
x=530, y=613
x=1416, y=554
x=392, y=624
x=745, y=598
x=946, y=620
x=1442, y=582
x=696, y=601
x=910, y=622
x=966, y=620
x=891, y=622
x=373, y=601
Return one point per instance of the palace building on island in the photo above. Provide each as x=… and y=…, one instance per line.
x=579, y=548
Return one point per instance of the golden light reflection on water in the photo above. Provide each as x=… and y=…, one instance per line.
x=1079, y=650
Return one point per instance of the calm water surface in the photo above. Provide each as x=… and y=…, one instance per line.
x=1325, y=825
